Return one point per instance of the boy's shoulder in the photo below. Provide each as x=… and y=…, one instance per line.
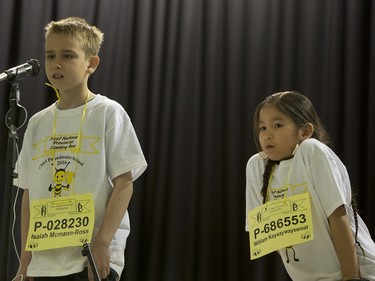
x=105, y=101
x=110, y=106
x=47, y=110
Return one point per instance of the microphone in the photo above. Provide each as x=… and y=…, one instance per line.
x=30, y=68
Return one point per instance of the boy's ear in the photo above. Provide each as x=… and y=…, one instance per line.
x=307, y=131
x=93, y=64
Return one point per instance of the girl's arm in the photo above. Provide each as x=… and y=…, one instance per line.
x=116, y=208
x=344, y=242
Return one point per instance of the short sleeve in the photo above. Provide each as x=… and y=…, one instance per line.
x=330, y=180
x=123, y=150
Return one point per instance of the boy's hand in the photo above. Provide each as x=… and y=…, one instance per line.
x=116, y=209
x=21, y=277
x=101, y=255
x=22, y=270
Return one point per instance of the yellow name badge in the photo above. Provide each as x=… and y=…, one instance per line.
x=60, y=222
x=280, y=223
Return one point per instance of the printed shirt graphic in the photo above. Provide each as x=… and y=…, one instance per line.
x=77, y=158
x=317, y=170
x=63, y=154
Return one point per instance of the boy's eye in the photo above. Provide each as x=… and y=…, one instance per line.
x=49, y=57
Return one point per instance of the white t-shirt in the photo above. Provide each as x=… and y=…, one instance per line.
x=109, y=147
x=315, y=169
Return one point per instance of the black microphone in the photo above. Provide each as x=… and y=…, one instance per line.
x=30, y=68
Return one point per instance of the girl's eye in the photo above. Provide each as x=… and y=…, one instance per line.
x=278, y=125
x=261, y=129
x=49, y=57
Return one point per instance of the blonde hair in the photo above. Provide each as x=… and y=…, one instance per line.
x=90, y=37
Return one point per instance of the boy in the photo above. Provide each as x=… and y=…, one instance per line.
x=83, y=144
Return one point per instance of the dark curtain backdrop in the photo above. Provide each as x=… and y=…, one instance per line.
x=190, y=73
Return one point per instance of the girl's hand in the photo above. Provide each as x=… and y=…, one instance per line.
x=344, y=243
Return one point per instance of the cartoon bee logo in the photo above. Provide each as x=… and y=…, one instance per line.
x=61, y=180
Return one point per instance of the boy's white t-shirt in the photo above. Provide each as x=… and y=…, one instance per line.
x=109, y=148
x=315, y=169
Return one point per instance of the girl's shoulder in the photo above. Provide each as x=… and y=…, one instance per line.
x=313, y=145
x=310, y=149
x=315, y=149
x=257, y=160
x=258, y=157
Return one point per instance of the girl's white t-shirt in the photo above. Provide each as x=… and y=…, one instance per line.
x=315, y=169
x=108, y=148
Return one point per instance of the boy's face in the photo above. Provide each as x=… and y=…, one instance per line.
x=65, y=63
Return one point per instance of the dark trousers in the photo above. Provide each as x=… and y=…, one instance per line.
x=82, y=276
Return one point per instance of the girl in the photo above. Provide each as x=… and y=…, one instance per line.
x=294, y=158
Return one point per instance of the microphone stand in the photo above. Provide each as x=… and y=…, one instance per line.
x=15, y=119
x=87, y=252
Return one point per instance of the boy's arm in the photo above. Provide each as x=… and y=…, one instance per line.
x=115, y=211
x=344, y=242
x=25, y=220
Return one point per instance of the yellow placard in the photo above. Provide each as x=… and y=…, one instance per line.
x=280, y=223
x=60, y=222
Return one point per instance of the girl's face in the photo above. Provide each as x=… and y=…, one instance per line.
x=66, y=66
x=278, y=134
